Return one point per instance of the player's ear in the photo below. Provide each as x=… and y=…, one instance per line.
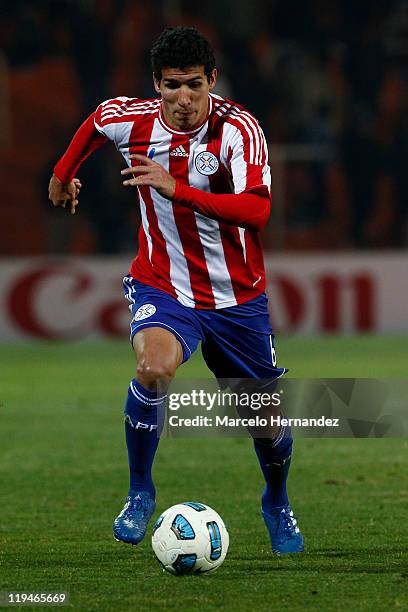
x=156, y=83
x=213, y=79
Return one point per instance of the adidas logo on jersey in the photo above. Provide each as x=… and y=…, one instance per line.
x=179, y=152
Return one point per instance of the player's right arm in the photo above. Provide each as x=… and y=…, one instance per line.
x=60, y=194
x=64, y=187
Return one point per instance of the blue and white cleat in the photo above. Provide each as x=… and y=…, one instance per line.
x=285, y=535
x=131, y=524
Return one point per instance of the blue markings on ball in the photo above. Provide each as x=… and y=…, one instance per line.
x=182, y=528
x=215, y=539
x=195, y=506
x=184, y=564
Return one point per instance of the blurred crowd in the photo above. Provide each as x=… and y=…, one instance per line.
x=327, y=81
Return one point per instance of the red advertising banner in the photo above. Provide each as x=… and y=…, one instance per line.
x=81, y=297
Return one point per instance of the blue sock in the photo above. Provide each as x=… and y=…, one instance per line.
x=274, y=458
x=144, y=413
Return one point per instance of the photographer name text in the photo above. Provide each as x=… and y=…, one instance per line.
x=256, y=421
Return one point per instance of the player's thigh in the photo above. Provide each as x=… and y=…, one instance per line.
x=163, y=332
x=158, y=352
x=240, y=342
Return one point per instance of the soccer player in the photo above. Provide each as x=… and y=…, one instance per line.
x=199, y=163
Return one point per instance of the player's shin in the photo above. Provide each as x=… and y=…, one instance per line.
x=144, y=415
x=274, y=457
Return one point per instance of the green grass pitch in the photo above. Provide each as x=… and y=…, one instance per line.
x=63, y=473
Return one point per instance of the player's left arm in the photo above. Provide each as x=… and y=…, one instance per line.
x=249, y=209
x=244, y=153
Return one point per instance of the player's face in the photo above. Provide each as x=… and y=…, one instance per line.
x=185, y=96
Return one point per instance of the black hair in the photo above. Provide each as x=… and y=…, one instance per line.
x=181, y=47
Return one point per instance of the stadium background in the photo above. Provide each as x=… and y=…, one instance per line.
x=328, y=82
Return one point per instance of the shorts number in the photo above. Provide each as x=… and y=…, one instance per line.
x=273, y=352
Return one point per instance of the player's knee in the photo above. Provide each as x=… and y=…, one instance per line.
x=152, y=373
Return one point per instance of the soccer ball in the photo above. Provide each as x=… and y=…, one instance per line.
x=190, y=538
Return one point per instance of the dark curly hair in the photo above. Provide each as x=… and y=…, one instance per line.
x=181, y=47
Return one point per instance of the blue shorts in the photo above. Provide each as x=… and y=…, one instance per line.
x=236, y=342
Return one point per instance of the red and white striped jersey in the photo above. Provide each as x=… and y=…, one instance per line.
x=203, y=262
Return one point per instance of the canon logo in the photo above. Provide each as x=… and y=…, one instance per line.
x=76, y=298
x=70, y=300
x=65, y=302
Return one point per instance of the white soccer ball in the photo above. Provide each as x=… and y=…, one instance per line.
x=190, y=538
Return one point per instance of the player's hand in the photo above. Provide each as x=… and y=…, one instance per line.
x=63, y=195
x=149, y=172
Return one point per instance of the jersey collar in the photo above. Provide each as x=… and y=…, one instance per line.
x=170, y=129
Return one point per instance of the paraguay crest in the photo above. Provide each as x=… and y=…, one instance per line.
x=206, y=163
x=144, y=312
